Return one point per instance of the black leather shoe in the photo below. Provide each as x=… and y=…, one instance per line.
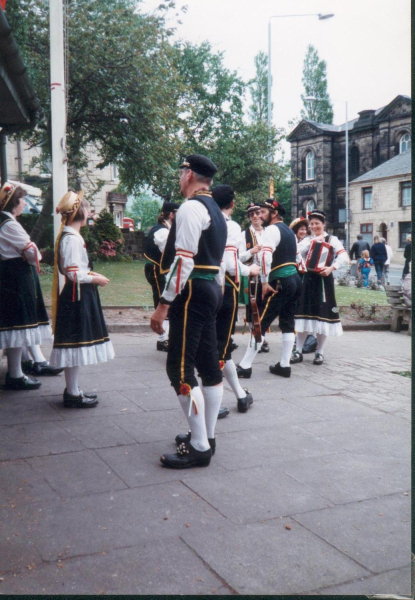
x=80, y=401
x=223, y=412
x=44, y=368
x=89, y=395
x=27, y=366
x=163, y=346
x=243, y=373
x=296, y=357
x=279, y=370
x=264, y=348
x=21, y=383
x=186, y=457
x=245, y=403
x=319, y=359
x=184, y=438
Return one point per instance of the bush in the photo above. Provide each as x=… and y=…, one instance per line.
x=48, y=256
x=108, y=237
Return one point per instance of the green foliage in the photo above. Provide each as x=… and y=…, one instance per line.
x=104, y=239
x=28, y=222
x=315, y=86
x=258, y=87
x=144, y=210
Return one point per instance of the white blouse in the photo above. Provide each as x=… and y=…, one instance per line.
x=341, y=257
x=73, y=256
x=160, y=237
x=232, y=249
x=16, y=243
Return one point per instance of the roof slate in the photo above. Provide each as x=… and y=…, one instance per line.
x=398, y=165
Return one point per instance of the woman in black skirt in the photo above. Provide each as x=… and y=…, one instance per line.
x=317, y=309
x=24, y=321
x=81, y=336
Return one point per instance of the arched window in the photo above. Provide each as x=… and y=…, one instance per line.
x=310, y=206
x=404, y=143
x=310, y=164
x=354, y=161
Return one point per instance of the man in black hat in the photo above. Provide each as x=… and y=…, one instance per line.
x=192, y=297
x=154, y=247
x=281, y=286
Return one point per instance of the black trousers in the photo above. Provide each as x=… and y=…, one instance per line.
x=156, y=280
x=225, y=322
x=192, y=336
x=282, y=303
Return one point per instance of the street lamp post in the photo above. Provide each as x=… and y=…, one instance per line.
x=312, y=99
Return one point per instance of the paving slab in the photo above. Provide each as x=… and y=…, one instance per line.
x=18, y=549
x=101, y=522
x=153, y=568
x=152, y=426
x=376, y=533
x=347, y=477
x=332, y=408
x=267, y=558
x=20, y=484
x=19, y=410
x=235, y=495
x=153, y=398
x=110, y=403
x=396, y=582
x=77, y=474
x=100, y=432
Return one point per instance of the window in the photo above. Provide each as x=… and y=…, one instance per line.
x=366, y=229
x=114, y=172
x=354, y=161
x=310, y=165
x=342, y=215
x=404, y=231
x=310, y=206
x=367, y=198
x=404, y=143
x=406, y=193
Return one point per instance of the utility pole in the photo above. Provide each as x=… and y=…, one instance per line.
x=58, y=109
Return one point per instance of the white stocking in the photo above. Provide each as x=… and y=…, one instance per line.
x=14, y=362
x=71, y=378
x=196, y=422
x=321, y=341
x=288, y=340
x=25, y=354
x=37, y=354
x=165, y=335
x=250, y=353
x=301, y=338
x=231, y=376
x=213, y=399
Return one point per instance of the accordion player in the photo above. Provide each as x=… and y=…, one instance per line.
x=319, y=256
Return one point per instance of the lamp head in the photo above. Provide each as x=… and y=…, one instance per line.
x=323, y=17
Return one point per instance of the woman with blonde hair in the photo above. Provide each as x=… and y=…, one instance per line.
x=364, y=266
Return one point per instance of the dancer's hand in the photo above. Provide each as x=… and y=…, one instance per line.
x=266, y=289
x=157, y=318
x=326, y=271
x=100, y=280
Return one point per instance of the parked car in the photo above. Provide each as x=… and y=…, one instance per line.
x=128, y=224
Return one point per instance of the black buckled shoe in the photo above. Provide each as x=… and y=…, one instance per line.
x=245, y=403
x=184, y=438
x=223, y=412
x=21, y=383
x=163, y=346
x=89, y=395
x=44, y=368
x=319, y=359
x=264, y=348
x=186, y=457
x=27, y=366
x=80, y=401
x=279, y=370
x=296, y=357
x=243, y=373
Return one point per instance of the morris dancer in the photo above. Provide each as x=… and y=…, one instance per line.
x=24, y=321
x=154, y=248
x=281, y=287
x=317, y=309
x=81, y=336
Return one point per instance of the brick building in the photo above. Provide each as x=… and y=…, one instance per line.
x=380, y=204
x=318, y=157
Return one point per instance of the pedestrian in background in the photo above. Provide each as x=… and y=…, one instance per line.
x=407, y=256
x=385, y=280
x=380, y=256
x=364, y=266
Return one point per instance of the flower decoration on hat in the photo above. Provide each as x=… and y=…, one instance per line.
x=6, y=193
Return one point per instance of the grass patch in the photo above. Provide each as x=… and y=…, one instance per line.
x=403, y=373
x=129, y=287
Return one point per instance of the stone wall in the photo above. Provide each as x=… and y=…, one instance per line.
x=133, y=241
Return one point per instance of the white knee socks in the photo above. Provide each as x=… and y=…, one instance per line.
x=250, y=353
x=71, y=378
x=321, y=341
x=196, y=422
x=301, y=338
x=213, y=399
x=231, y=376
x=37, y=354
x=14, y=362
x=164, y=336
x=288, y=340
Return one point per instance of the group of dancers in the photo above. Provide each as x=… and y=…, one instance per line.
x=199, y=264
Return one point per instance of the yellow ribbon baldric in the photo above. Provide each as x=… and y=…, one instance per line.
x=55, y=284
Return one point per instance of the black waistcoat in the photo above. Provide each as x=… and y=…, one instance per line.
x=211, y=244
x=151, y=250
x=251, y=241
x=4, y=218
x=285, y=253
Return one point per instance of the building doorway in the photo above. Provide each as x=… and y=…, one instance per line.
x=383, y=230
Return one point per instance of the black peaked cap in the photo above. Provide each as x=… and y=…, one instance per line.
x=169, y=207
x=275, y=205
x=223, y=195
x=199, y=164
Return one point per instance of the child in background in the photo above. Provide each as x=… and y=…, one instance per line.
x=364, y=266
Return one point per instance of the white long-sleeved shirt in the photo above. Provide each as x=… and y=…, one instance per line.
x=390, y=254
x=16, y=243
x=160, y=237
x=233, y=265
x=270, y=241
x=191, y=219
x=245, y=253
x=73, y=256
x=340, y=258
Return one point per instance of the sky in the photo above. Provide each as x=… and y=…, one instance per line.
x=366, y=46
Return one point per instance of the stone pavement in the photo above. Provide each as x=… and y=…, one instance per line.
x=308, y=493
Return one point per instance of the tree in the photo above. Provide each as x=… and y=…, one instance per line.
x=315, y=86
x=145, y=210
x=258, y=87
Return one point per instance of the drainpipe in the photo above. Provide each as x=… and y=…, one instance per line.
x=3, y=158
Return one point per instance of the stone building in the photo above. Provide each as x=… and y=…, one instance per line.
x=318, y=157
x=380, y=204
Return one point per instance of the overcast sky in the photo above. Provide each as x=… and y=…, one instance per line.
x=366, y=46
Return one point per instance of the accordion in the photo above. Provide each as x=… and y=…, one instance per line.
x=319, y=256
